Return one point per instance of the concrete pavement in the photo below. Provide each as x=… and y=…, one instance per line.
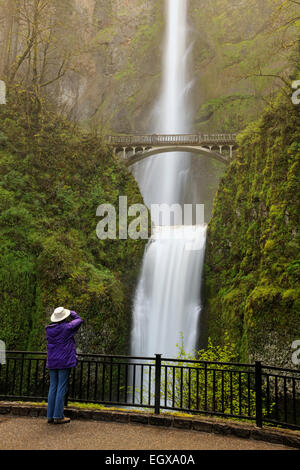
x=28, y=433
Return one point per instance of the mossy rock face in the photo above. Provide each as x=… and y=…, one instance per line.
x=252, y=272
x=116, y=46
x=53, y=177
x=116, y=78
x=235, y=40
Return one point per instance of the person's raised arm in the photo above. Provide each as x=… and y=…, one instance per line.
x=76, y=321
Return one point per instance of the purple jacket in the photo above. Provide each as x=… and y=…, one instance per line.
x=61, y=343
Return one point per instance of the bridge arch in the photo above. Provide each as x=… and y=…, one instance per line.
x=206, y=152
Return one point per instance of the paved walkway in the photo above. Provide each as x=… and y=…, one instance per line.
x=18, y=433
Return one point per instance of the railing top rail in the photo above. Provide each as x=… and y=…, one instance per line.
x=266, y=369
x=146, y=358
x=113, y=356
x=169, y=137
x=280, y=369
x=166, y=135
x=234, y=364
x=26, y=352
x=110, y=356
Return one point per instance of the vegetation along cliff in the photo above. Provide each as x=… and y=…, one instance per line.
x=52, y=179
x=252, y=259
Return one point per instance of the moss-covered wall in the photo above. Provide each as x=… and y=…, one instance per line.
x=252, y=260
x=52, y=179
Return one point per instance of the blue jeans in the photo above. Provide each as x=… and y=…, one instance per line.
x=57, y=391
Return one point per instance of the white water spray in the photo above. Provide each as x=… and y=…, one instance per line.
x=167, y=301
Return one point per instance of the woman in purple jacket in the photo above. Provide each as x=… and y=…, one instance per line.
x=61, y=358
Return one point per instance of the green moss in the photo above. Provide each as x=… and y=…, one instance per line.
x=252, y=257
x=105, y=35
x=125, y=73
x=52, y=179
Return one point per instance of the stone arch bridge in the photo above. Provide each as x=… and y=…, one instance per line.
x=135, y=148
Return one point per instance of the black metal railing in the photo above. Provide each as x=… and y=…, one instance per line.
x=263, y=394
x=214, y=388
x=281, y=396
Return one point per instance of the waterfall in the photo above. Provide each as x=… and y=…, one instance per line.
x=160, y=178
x=167, y=300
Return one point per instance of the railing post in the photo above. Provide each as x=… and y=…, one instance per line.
x=258, y=393
x=21, y=374
x=157, y=383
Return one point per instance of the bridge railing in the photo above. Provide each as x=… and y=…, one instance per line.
x=170, y=139
x=255, y=392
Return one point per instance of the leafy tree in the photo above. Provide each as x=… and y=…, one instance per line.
x=211, y=384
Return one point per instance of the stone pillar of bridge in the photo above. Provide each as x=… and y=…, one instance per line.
x=231, y=150
x=124, y=152
x=221, y=148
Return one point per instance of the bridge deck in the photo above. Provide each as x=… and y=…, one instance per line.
x=171, y=139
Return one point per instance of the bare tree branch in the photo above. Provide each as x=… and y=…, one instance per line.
x=22, y=57
x=60, y=74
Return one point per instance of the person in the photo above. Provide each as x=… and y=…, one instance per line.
x=61, y=357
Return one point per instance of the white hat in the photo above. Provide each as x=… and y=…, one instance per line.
x=59, y=314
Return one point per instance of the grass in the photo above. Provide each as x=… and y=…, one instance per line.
x=96, y=406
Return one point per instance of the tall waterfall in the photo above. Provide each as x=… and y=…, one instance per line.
x=167, y=301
